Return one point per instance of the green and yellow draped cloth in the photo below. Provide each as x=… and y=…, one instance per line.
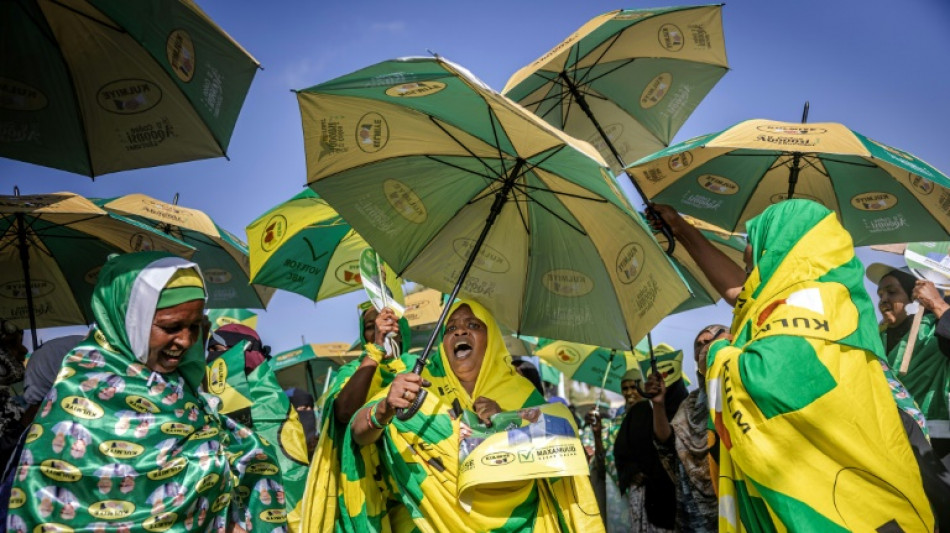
x=116, y=445
x=811, y=435
x=415, y=486
x=273, y=487
x=928, y=376
x=323, y=490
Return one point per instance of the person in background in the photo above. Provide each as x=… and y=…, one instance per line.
x=685, y=442
x=928, y=376
x=303, y=404
x=42, y=370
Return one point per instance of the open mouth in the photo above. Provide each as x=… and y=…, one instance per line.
x=172, y=356
x=462, y=349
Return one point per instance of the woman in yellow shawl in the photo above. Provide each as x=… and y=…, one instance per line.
x=416, y=485
x=811, y=438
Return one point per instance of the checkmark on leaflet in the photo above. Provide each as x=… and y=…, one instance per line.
x=526, y=456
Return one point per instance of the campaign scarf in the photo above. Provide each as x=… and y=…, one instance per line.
x=811, y=436
x=407, y=481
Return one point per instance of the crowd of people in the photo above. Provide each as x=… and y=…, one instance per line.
x=805, y=414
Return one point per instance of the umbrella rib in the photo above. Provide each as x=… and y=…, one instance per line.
x=87, y=17
x=555, y=215
x=462, y=145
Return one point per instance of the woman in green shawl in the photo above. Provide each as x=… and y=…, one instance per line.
x=403, y=475
x=123, y=441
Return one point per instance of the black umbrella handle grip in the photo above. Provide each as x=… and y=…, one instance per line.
x=408, y=412
x=664, y=228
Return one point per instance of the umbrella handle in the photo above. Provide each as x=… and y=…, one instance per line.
x=664, y=228
x=409, y=412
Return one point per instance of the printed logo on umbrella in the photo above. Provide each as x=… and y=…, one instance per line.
x=19, y=96
x=921, y=185
x=217, y=276
x=718, y=184
x=781, y=197
x=349, y=273
x=488, y=259
x=568, y=355
x=180, y=51
x=680, y=162
x=17, y=289
x=656, y=90
x=372, y=133
x=671, y=37
x=416, y=89
x=630, y=262
x=274, y=231
x=874, y=201
x=565, y=282
x=405, y=201
x=140, y=242
x=128, y=97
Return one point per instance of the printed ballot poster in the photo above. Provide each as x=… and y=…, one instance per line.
x=531, y=443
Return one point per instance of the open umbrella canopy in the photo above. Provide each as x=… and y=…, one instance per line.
x=221, y=317
x=333, y=352
x=592, y=365
x=98, y=86
x=223, y=258
x=304, y=246
x=669, y=361
x=55, y=244
x=441, y=174
x=881, y=194
x=639, y=73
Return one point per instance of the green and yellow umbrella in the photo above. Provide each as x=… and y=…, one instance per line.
x=319, y=364
x=51, y=249
x=223, y=258
x=99, y=86
x=221, y=317
x=304, y=246
x=669, y=361
x=627, y=80
x=460, y=189
x=593, y=365
x=881, y=194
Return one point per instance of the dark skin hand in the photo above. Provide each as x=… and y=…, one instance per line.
x=927, y=294
x=353, y=395
x=596, y=426
x=402, y=392
x=726, y=276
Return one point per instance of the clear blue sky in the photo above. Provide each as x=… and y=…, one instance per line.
x=878, y=67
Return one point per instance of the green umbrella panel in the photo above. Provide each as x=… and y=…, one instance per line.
x=318, y=364
x=881, y=194
x=223, y=258
x=460, y=189
x=627, y=80
x=305, y=247
x=55, y=244
x=669, y=361
x=588, y=364
x=100, y=86
x=221, y=317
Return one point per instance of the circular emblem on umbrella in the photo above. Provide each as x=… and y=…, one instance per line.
x=349, y=273
x=681, y=161
x=405, y=201
x=654, y=92
x=217, y=276
x=128, y=97
x=630, y=262
x=570, y=283
x=17, y=289
x=568, y=355
x=488, y=258
x=372, y=133
x=140, y=242
x=217, y=376
x=874, y=201
x=718, y=184
x=671, y=37
x=921, y=185
x=274, y=231
x=19, y=96
x=415, y=90
x=180, y=51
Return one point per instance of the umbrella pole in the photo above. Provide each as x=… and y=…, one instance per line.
x=603, y=382
x=796, y=160
x=25, y=265
x=500, y=198
x=581, y=101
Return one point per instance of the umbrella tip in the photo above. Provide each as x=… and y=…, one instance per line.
x=175, y=199
x=434, y=54
x=16, y=191
x=805, y=112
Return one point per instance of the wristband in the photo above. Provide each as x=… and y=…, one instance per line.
x=371, y=417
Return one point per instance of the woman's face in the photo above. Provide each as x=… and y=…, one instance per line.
x=466, y=338
x=747, y=259
x=630, y=393
x=703, y=340
x=369, y=325
x=174, y=330
x=892, y=301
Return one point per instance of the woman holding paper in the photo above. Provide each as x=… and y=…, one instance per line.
x=925, y=371
x=417, y=487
